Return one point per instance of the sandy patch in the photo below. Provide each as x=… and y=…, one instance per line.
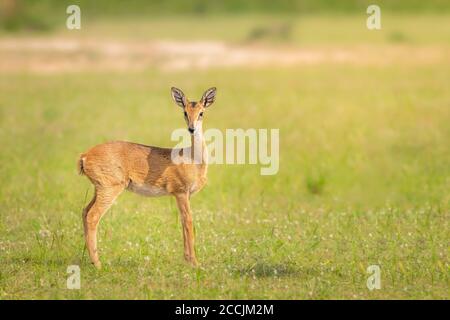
x=49, y=55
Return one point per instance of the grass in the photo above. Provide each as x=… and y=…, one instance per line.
x=363, y=180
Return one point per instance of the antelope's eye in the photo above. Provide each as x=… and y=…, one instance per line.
x=185, y=114
x=201, y=114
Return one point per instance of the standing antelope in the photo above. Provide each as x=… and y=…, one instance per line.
x=115, y=166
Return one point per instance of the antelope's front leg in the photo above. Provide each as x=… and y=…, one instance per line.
x=188, y=228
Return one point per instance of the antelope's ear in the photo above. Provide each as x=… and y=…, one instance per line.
x=209, y=96
x=178, y=97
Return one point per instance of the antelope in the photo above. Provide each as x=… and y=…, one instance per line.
x=116, y=166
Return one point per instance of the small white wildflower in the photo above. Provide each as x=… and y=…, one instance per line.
x=44, y=233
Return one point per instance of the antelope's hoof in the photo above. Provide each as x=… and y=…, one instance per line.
x=97, y=265
x=193, y=262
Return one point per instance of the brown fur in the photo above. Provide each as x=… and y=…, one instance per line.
x=115, y=166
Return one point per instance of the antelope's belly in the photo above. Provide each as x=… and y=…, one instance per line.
x=147, y=190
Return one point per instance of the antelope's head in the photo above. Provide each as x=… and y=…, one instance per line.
x=193, y=111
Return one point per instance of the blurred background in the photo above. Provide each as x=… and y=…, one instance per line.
x=364, y=146
x=172, y=34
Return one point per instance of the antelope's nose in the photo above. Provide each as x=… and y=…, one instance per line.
x=191, y=130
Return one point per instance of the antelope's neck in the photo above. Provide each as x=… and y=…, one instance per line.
x=199, y=152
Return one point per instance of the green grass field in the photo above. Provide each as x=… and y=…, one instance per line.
x=364, y=179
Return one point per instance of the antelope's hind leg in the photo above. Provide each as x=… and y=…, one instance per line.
x=103, y=199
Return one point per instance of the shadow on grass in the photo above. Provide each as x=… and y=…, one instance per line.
x=63, y=263
x=262, y=269
x=38, y=261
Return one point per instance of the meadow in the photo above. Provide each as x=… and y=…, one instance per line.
x=364, y=173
